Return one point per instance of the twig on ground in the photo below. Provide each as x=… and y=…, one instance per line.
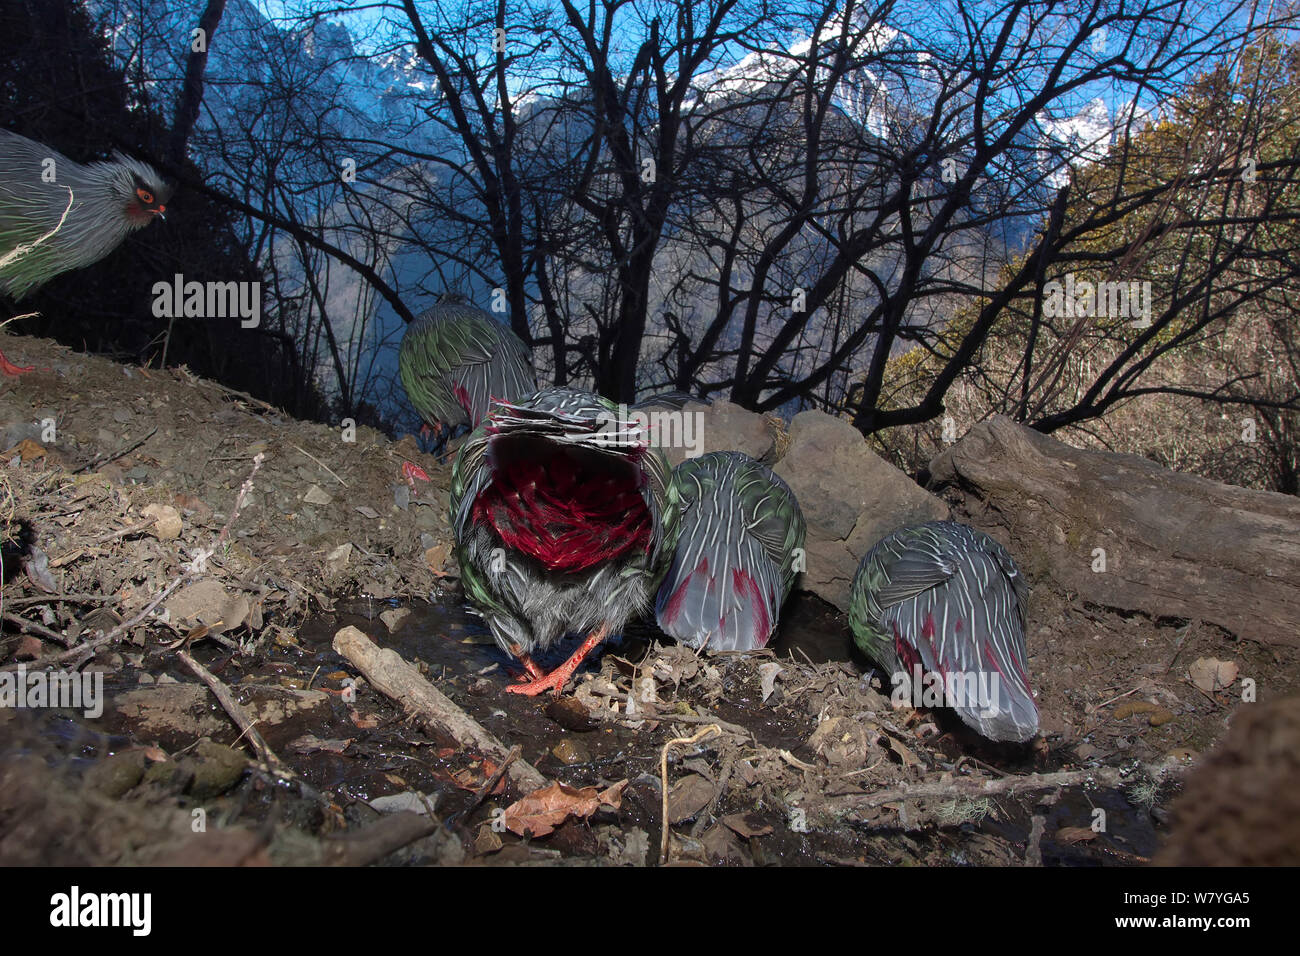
x=319, y=462
x=114, y=456
x=663, y=780
x=1101, y=776
x=1033, y=846
x=40, y=630
x=244, y=490
x=236, y=712
x=1097, y=707
x=386, y=835
x=243, y=396
x=492, y=781
x=62, y=598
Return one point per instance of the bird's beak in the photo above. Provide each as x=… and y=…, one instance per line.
x=161, y=213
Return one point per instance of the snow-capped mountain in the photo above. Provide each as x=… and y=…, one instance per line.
x=251, y=139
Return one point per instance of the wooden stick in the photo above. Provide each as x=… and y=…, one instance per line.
x=124, y=450
x=235, y=709
x=40, y=630
x=386, y=835
x=1102, y=776
x=663, y=780
x=400, y=680
x=61, y=598
x=492, y=781
x=319, y=462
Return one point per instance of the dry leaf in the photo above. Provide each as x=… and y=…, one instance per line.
x=905, y=755
x=688, y=797
x=747, y=825
x=1072, y=835
x=767, y=676
x=487, y=841
x=1212, y=675
x=26, y=449
x=571, y=714
x=541, y=811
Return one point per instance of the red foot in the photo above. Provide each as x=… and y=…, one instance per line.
x=411, y=472
x=9, y=368
x=533, y=670
x=556, y=679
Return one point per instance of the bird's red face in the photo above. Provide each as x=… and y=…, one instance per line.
x=145, y=205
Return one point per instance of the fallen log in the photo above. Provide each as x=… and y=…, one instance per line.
x=401, y=681
x=1125, y=533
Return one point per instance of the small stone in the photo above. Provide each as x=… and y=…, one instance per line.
x=338, y=558
x=316, y=496
x=393, y=618
x=570, y=752
x=167, y=521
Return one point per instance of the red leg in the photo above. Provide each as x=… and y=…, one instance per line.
x=412, y=471
x=556, y=679
x=533, y=670
x=9, y=368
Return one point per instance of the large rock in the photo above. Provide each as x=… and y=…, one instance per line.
x=721, y=426
x=1240, y=806
x=850, y=497
x=1173, y=545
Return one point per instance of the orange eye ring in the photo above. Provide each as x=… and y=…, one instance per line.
x=144, y=196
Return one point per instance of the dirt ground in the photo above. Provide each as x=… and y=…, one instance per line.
x=139, y=548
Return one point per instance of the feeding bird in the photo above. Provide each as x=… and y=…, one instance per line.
x=946, y=600
x=735, y=560
x=456, y=358
x=99, y=205
x=564, y=519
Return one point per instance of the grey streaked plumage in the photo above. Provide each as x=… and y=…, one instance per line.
x=735, y=560
x=456, y=358
x=950, y=600
x=109, y=200
x=563, y=520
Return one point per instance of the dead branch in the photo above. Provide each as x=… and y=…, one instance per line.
x=973, y=788
x=40, y=630
x=401, y=681
x=663, y=778
x=235, y=710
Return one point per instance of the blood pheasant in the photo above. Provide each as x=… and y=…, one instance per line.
x=735, y=561
x=944, y=605
x=57, y=215
x=564, y=519
x=456, y=358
